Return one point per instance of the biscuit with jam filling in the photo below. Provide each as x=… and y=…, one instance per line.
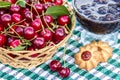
x=87, y=58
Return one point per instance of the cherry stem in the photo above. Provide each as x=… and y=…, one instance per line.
x=31, y=39
x=31, y=10
x=21, y=25
x=19, y=22
x=63, y=56
x=5, y=30
x=12, y=35
x=54, y=25
x=38, y=30
x=65, y=49
x=77, y=39
x=67, y=27
x=47, y=42
x=44, y=1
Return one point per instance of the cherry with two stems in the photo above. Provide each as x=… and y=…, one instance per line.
x=55, y=65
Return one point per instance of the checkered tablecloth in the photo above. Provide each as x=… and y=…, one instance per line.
x=104, y=71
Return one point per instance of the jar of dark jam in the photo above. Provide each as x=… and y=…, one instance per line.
x=98, y=16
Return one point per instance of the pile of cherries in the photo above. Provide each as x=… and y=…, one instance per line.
x=30, y=26
x=55, y=65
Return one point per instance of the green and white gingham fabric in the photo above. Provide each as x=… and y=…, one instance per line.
x=104, y=71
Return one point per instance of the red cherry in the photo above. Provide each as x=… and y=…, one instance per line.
x=55, y=65
x=14, y=8
x=15, y=43
x=2, y=40
x=28, y=15
x=9, y=40
x=29, y=32
x=11, y=1
x=1, y=28
x=58, y=2
x=47, y=20
x=64, y=72
x=47, y=34
x=6, y=19
x=64, y=19
x=39, y=42
x=36, y=24
x=2, y=11
x=45, y=1
x=16, y=17
x=59, y=34
x=39, y=8
x=86, y=55
x=19, y=30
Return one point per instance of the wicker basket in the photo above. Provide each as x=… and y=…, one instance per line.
x=22, y=59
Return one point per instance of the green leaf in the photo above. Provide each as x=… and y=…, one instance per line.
x=21, y=3
x=56, y=11
x=4, y=4
x=18, y=48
